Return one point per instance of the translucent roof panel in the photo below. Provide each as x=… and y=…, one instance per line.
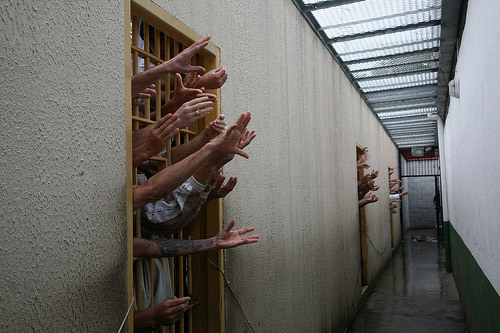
x=395, y=70
x=401, y=85
x=406, y=113
x=373, y=15
x=396, y=60
x=399, y=80
x=389, y=44
x=390, y=51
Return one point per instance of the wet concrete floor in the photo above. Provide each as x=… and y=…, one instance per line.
x=414, y=293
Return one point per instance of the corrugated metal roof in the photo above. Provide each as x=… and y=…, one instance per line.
x=390, y=51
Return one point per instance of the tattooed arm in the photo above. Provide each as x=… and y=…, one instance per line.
x=168, y=247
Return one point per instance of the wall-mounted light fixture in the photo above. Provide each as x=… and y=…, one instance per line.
x=454, y=88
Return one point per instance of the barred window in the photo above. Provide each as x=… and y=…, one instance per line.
x=156, y=37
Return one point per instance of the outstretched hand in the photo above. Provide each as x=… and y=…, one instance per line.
x=180, y=63
x=227, y=142
x=218, y=191
x=227, y=238
x=160, y=133
x=246, y=139
x=193, y=110
x=145, y=94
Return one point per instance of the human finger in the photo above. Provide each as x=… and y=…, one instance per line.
x=229, y=226
x=177, y=301
x=219, y=182
x=197, y=100
x=200, y=105
x=178, y=78
x=170, y=127
x=244, y=231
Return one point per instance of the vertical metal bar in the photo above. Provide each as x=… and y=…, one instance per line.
x=135, y=67
x=158, y=83
x=147, y=102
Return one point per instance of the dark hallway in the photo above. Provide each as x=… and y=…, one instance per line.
x=414, y=293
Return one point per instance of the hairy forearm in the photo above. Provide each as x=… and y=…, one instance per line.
x=170, y=178
x=144, y=320
x=143, y=80
x=168, y=247
x=140, y=155
x=139, y=137
x=181, y=152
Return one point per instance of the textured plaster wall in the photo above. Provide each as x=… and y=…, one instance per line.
x=471, y=139
x=298, y=189
x=62, y=167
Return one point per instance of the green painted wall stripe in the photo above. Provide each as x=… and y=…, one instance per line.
x=480, y=300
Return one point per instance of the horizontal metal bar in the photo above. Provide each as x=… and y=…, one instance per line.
x=402, y=90
x=384, y=99
x=423, y=124
x=388, y=76
x=432, y=175
x=408, y=101
x=380, y=18
x=414, y=135
x=392, y=56
x=420, y=62
x=382, y=88
x=408, y=118
x=326, y=4
x=375, y=33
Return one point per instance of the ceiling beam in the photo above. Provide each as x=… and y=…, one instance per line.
x=415, y=101
x=389, y=98
x=380, y=18
x=419, y=62
x=402, y=91
x=388, y=76
x=392, y=56
x=380, y=32
x=326, y=4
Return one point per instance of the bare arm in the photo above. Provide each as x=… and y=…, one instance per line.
x=165, y=313
x=170, y=178
x=169, y=247
x=178, y=64
x=211, y=131
x=157, y=138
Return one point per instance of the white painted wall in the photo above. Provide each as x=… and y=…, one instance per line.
x=472, y=133
x=62, y=166
x=298, y=189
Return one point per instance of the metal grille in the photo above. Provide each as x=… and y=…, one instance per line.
x=188, y=274
x=428, y=165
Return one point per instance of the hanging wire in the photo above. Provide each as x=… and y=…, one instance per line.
x=248, y=327
x=126, y=316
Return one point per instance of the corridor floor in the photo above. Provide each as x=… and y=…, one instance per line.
x=414, y=293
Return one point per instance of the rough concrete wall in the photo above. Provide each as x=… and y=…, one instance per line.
x=298, y=189
x=62, y=147
x=421, y=209
x=472, y=136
